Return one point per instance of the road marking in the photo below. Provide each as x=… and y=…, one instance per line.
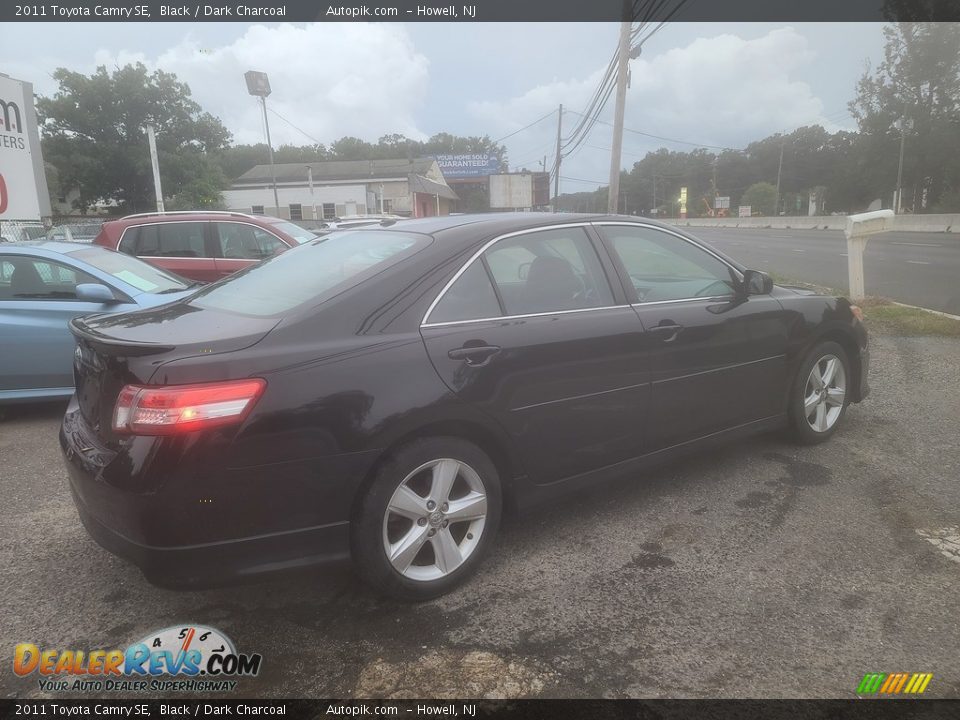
x=795, y=250
x=917, y=244
x=843, y=254
x=917, y=262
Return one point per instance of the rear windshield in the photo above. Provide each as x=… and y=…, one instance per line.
x=295, y=231
x=312, y=272
x=132, y=271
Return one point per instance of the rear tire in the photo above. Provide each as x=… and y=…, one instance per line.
x=427, y=519
x=820, y=394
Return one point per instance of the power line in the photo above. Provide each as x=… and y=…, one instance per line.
x=526, y=127
x=302, y=132
x=673, y=140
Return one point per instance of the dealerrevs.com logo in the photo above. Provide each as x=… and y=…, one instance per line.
x=185, y=658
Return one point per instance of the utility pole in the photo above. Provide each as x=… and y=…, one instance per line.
x=623, y=56
x=313, y=200
x=776, y=209
x=273, y=172
x=898, y=205
x=155, y=162
x=556, y=180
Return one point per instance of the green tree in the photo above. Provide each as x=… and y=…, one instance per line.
x=94, y=133
x=761, y=197
x=914, y=91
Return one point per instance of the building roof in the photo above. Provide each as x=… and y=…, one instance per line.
x=420, y=184
x=337, y=170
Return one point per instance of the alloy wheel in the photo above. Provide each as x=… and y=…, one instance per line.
x=825, y=393
x=434, y=519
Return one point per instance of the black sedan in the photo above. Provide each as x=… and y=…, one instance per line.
x=383, y=394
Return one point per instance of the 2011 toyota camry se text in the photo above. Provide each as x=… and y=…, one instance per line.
x=384, y=394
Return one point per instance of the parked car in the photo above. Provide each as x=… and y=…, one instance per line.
x=43, y=285
x=75, y=232
x=14, y=231
x=353, y=222
x=203, y=246
x=384, y=393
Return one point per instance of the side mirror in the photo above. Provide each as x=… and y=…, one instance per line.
x=95, y=292
x=757, y=282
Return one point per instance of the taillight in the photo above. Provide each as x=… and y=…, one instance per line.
x=176, y=409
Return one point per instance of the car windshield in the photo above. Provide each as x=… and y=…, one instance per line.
x=298, y=233
x=313, y=272
x=134, y=272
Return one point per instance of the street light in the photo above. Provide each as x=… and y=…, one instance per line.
x=258, y=84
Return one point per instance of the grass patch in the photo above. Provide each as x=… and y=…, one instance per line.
x=891, y=319
x=885, y=317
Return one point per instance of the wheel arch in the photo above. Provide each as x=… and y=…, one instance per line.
x=493, y=443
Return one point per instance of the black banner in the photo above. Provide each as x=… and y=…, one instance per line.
x=479, y=11
x=476, y=709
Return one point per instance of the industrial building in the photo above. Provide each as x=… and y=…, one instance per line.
x=325, y=190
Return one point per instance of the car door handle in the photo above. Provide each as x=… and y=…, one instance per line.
x=474, y=355
x=667, y=330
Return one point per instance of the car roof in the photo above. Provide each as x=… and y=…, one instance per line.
x=186, y=215
x=503, y=222
x=46, y=247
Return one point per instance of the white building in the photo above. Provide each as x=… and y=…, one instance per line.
x=325, y=190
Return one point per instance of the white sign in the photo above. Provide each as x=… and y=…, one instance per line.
x=23, y=184
x=721, y=203
x=745, y=210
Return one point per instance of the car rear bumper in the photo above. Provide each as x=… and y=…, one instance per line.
x=278, y=518
x=225, y=562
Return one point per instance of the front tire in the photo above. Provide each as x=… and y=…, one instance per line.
x=820, y=394
x=427, y=518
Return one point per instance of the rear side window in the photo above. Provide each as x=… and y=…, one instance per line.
x=26, y=278
x=175, y=239
x=310, y=273
x=471, y=297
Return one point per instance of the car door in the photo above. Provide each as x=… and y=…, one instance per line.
x=37, y=300
x=183, y=247
x=717, y=357
x=240, y=245
x=533, y=332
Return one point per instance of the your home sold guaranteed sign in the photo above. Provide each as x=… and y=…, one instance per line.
x=23, y=185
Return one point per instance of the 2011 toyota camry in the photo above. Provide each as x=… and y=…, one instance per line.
x=383, y=394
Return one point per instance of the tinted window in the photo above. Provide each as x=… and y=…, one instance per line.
x=662, y=266
x=548, y=271
x=246, y=242
x=174, y=239
x=310, y=273
x=471, y=297
x=132, y=271
x=25, y=278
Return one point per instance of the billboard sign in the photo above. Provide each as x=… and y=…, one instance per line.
x=511, y=192
x=465, y=166
x=721, y=203
x=744, y=211
x=23, y=184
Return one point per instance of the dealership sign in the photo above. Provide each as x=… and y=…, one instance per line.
x=461, y=166
x=23, y=185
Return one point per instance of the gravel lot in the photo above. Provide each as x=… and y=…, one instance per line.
x=761, y=570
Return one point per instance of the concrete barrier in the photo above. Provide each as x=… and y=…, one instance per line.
x=901, y=223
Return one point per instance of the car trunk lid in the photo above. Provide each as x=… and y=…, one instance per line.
x=127, y=348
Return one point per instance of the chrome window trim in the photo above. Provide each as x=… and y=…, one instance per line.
x=706, y=298
x=181, y=222
x=520, y=317
x=668, y=231
x=528, y=231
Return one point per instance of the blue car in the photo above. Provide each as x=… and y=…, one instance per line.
x=43, y=285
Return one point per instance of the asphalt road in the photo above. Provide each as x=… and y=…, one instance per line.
x=760, y=570
x=915, y=268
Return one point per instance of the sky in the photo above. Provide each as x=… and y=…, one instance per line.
x=713, y=84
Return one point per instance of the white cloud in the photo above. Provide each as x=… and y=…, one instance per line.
x=723, y=90
x=330, y=80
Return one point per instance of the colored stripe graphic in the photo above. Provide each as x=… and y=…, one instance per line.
x=894, y=683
